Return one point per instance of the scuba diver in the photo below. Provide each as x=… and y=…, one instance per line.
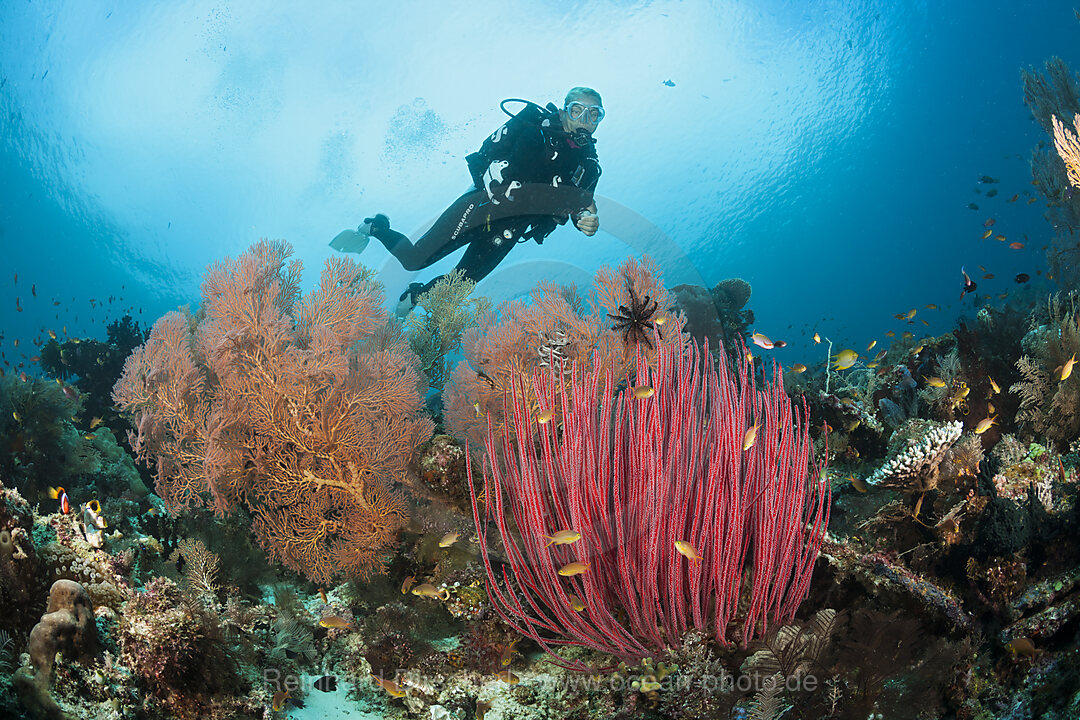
x=535, y=172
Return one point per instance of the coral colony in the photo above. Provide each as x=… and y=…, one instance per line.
x=601, y=502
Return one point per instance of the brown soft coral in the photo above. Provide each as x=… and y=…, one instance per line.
x=558, y=327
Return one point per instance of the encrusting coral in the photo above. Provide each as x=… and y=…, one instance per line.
x=305, y=411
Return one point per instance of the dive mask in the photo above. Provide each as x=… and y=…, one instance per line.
x=590, y=114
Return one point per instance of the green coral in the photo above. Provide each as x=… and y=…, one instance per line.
x=435, y=327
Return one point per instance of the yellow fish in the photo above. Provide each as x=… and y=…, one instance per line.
x=660, y=320
x=389, y=686
x=508, y=654
x=990, y=408
x=910, y=314
x=449, y=539
x=845, y=359
x=993, y=385
x=749, y=437
x=334, y=621
x=642, y=392
x=563, y=537
x=1021, y=646
x=852, y=425
x=1067, y=368
x=987, y=233
x=476, y=407
x=508, y=677
x=984, y=425
x=406, y=584
x=574, y=568
x=575, y=602
x=545, y=417
x=859, y=484
x=934, y=381
x=931, y=306
x=798, y=368
x=871, y=345
x=891, y=333
x=906, y=335
x=817, y=338
x=430, y=591
x=278, y=700
x=97, y=420
x=687, y=550
x=917, y=349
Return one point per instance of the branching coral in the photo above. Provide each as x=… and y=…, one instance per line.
x=435, y=327
x=916, y=452
x=304, y=411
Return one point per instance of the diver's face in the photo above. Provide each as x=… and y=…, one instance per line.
x=589, y=117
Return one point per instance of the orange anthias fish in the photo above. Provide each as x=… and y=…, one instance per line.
x=989, y=222
x=408, y=583
x=334, y=621
x=987, y=234
x=430, y=591
x=750, y=437
x=572, y=569
x=687, y=550
x=984, y=425
x=563, y=537
x=1067, y=368
x=762, y=341
x=389, y=686
x=1016, y=245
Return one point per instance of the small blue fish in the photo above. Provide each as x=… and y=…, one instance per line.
x=669, y=83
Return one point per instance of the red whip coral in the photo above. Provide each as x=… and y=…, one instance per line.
x=633, y=474
x=303, y=410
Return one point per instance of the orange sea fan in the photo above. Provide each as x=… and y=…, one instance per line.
x=558, y=328
x=306, y=411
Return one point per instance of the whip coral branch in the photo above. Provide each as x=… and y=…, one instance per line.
x=633, y=476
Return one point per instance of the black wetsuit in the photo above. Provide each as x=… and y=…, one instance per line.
x=528, y=177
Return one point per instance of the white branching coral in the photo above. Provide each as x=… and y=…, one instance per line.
x=915, y=462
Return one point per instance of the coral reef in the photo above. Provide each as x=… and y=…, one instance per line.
x=626, y=533
x=557, y=329
x=67, y=627
x=915, y=454
x=305, y=411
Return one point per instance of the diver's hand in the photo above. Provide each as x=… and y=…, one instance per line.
x=588, y=223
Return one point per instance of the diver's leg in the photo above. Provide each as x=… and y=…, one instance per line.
x=450, y=232
x=481, y=257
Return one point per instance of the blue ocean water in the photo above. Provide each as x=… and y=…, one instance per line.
x=825, y=152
